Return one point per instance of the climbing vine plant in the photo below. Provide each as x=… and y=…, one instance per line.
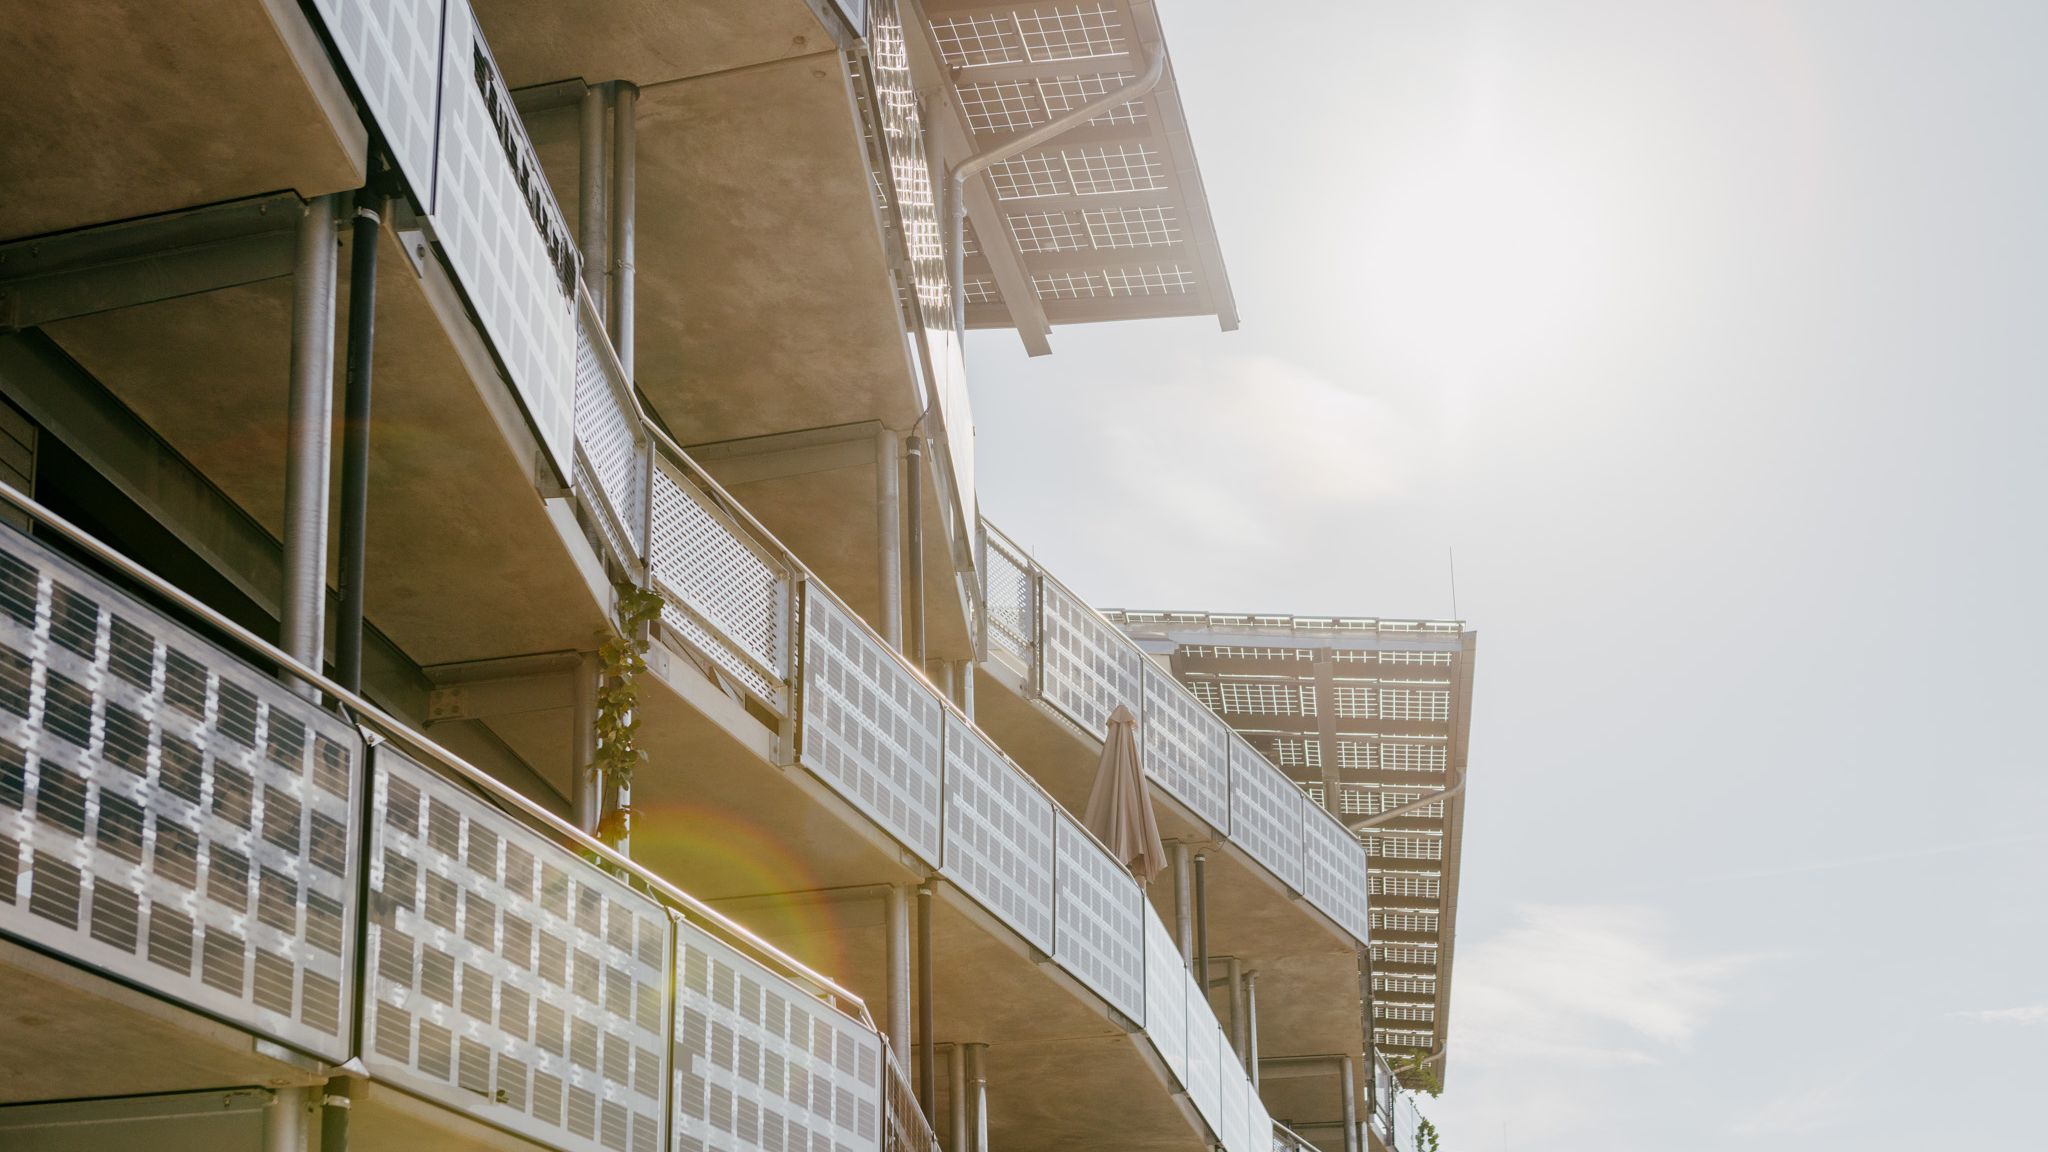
x=622, y=658
x=1416, y=1069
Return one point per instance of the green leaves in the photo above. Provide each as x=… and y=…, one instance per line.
x=622, y=655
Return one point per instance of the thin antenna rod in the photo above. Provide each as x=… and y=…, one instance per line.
x=1454, y=582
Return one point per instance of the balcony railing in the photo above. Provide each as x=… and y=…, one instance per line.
x=174, y=816
x=1075, y=661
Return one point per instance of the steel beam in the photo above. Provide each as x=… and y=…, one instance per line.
x=135, y=262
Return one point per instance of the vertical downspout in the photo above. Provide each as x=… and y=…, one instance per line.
x=927, y=1076
x=1183, y=906
x=1233, y=980
x=355, y=437
x=889, y=531
x=309, y=411
x=591, y=233
x=913, y=569
x=626, y=99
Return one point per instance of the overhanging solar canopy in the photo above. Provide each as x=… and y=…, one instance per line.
x=1106, y=222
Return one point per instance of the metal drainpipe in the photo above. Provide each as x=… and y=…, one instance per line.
x=587, y=799
x=309, y=412
x=1251, y=1026
x=335, y=1105
x=956, y=1067
x=889, y=529
x=355, y=437
x=1183, y=905
x=625, y=102
x=913, y=569
x=898, y=947
x=1202, y=922
x=1233, y=981
x=591, y=233
x=961, y=173
x=927, y=1076
x=977, y=1094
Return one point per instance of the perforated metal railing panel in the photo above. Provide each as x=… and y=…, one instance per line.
x=999, y=834
x=610, y=467
x=1089, y=667
x=871, y=728
x=1258, y=1124
x=761, y=1065
x=393, y=47
x=1265, y=818
x=1236, y=1131
x=907, y=1128
x=1205, y=1067
x=1187, y=748
x=1333, y=874
x=1166, y=1009
x=1006, y=586
x=1101, y=935
x=509, y=978
x=726, y=599
x=168, y=815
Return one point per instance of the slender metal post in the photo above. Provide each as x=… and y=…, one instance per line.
x=1233, y=980
x=284, y=1121
x=591, y=233
x=898, y=946
x=309, y=412
x=977, y=1095
x=1202, y=922
x=913, y=571
x=334, y=1115
x=625, y=101
x=355, y=437
x=966, y=683
x=1183, y=906
x=587, y=792
x=1348, y=1079
x=957, y=1097
x=1251, y=1027
x=889, y=526
x=926, y=1074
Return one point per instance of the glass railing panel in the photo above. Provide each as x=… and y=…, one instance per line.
x=1333, y=871
x=1101, y=936
x=999, y=834
x=1008, y=596
x=1265, y=813
x=1088, y=666
x=724, y=593
x=872, y=728
x=1407, y=1123
x=509, y=978
x=1187, y=748
x=1166, y=987
x=1235, y=1133
x=167, y=814
x=763, y=1066
x=611, y=450
x=393, y=50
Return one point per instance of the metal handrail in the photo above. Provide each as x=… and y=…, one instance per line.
x=393, y=728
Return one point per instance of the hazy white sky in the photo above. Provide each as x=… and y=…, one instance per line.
x=1711, y=336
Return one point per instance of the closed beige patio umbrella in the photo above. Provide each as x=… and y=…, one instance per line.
x=1120, y=807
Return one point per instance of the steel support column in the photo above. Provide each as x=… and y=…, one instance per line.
x=1251, y=1027
x=586, y=795
x=1348, y=1077
x=913, y=571
x=625, y=104
x=591, y=233
x=308, y=416
x=1183, y=906
x=284, y=1119
x=977, y=1096
x=956, y=1097
x=898, y=959
x=927, y=1086
x=1202, y=922
x=355, y=437
x=889, y=527
x=1233, y=989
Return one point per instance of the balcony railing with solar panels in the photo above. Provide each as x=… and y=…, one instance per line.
x=1082, y=666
